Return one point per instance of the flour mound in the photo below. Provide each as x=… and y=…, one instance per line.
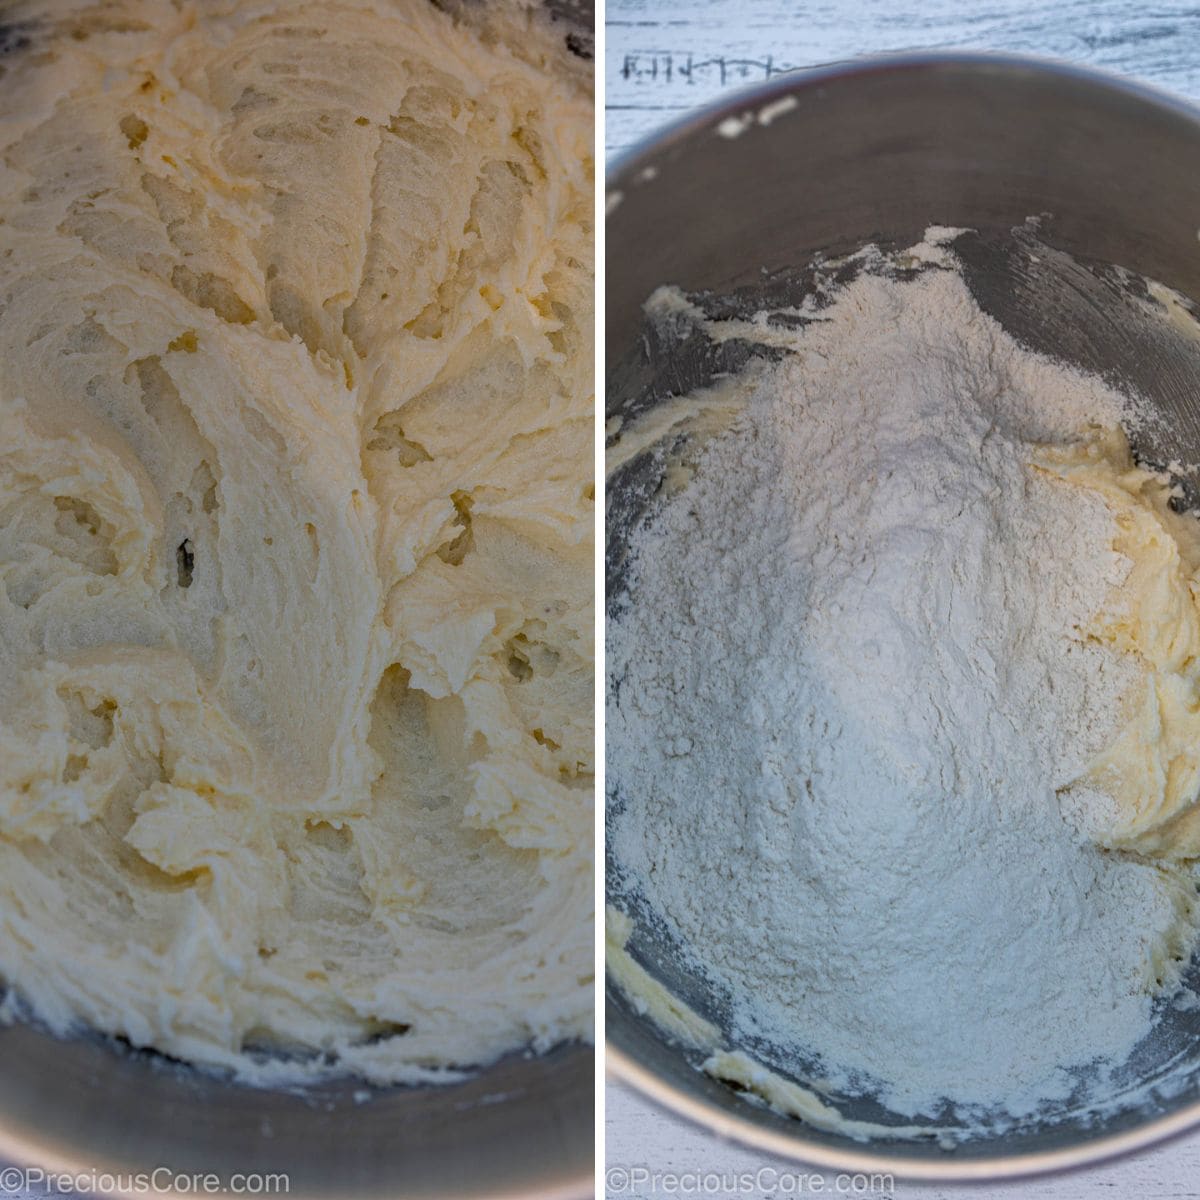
x=850, y=677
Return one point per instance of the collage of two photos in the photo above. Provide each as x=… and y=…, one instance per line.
x=599, y=601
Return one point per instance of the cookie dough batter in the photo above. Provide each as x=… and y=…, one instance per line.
x=1151, y=770
x=898, y=647
x=295, y=531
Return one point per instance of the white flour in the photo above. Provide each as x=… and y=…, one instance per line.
x=840, y=719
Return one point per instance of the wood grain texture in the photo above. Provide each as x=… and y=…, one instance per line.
x=664, y=59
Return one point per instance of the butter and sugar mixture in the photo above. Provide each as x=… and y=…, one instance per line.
x=296, y=531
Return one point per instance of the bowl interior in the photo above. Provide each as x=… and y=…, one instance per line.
x=1074, y=187
x=522, y=1127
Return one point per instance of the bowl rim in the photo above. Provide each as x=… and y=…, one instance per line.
x=798, y=1148
x=627, y=170
x=623, y=169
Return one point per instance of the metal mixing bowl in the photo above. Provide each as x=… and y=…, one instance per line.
x=522, y=1128
x=875, y=151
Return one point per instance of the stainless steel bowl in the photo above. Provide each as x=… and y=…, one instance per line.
x=522, y=1128
x=875, y=151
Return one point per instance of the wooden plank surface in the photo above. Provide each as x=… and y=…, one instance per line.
x=666, y=58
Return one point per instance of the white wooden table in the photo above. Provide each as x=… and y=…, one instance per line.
x=666, y=57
